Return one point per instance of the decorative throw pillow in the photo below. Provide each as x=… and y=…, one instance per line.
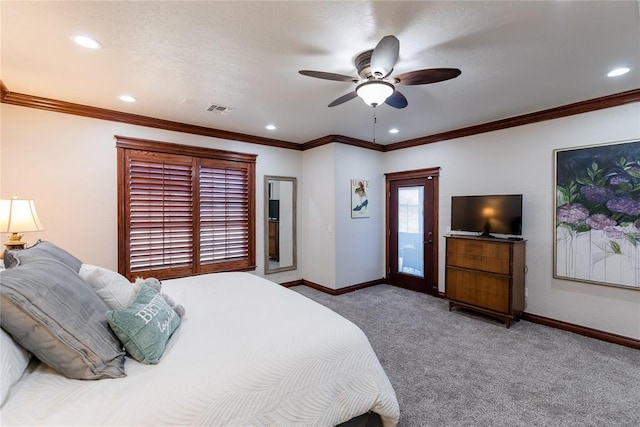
x=154, y=283
x=13, y=361
x=145, y=326
x=112, y=287
x=51, y=312
x=151, y=282
x=41, y=250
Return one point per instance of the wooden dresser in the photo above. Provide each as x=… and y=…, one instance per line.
x=486, y=275
x=274, y=240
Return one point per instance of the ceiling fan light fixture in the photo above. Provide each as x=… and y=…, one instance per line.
x=375, y=92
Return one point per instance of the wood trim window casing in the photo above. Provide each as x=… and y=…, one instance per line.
x=184, y=210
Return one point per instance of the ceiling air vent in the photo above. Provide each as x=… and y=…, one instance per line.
x=219, y=109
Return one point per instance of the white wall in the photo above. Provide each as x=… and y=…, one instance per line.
x=318, y=212
x=67, y=164
x=340, y=251
x=520, y=160
x=359, y=242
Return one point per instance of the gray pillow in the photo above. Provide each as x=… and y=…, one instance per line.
x=145, y=326
x=41, y=250
x=51, y=312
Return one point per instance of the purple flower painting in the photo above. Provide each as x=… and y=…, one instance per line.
x=597, y=214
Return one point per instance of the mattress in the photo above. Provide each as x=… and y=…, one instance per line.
x=248, y=352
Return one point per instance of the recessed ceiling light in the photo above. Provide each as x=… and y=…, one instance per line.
x=87, y=42
x=271, y=127
x=393, y=130
x=618, y=72
x=127, y=98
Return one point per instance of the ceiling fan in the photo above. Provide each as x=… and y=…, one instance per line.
x=375, y=86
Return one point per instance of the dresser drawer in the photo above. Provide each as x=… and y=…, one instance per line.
x=494, y=257
x=483, y=290
x=486, y=275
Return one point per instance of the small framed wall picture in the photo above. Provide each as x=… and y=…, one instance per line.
x=359, y=198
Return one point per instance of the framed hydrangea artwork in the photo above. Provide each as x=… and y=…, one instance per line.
x=597, y=214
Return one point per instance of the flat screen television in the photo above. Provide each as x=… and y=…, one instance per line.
x=274, y=209
x=487, y=215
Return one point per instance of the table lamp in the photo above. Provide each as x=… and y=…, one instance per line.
x=18, y=216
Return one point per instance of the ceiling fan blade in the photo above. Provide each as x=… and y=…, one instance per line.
x=397, y=100
x=430, y=75
x=385, y=56
x=327, y=76
x=344, y=98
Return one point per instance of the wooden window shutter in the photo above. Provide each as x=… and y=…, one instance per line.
x=225, y=224
x=160, y=214
x=183, y=210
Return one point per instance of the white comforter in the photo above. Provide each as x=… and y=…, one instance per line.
x=248, y=352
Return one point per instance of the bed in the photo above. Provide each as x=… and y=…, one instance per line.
x=246, y=352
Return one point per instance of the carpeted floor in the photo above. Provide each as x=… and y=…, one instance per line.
x=463, y=369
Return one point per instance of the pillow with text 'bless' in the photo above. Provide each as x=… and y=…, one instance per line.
x=145, y=326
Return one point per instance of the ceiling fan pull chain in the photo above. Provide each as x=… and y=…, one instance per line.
x=375, y=120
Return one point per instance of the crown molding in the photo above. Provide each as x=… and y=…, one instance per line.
x=57, y=106
x=3, y=90
x=342, y=140
x=54, y=105
x=525, y=119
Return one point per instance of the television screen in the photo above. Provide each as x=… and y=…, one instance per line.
x=500, y=214
x=274, y=209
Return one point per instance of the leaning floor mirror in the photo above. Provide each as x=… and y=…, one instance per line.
x=279, y=223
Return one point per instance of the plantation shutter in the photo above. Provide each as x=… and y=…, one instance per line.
x=160, y=213
x=224, y=213
x=184, y=214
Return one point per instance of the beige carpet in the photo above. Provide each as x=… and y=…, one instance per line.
x=462, y=369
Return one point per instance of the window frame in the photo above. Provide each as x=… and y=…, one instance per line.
x=197, y=155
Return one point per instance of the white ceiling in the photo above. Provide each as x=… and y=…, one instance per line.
x=178, y=57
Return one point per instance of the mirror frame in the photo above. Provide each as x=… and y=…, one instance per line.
x=294, y=214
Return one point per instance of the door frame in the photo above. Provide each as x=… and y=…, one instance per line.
x=428, y=173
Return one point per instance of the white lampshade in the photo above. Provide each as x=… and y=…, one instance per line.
x=375, y=92
x=19, y=216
